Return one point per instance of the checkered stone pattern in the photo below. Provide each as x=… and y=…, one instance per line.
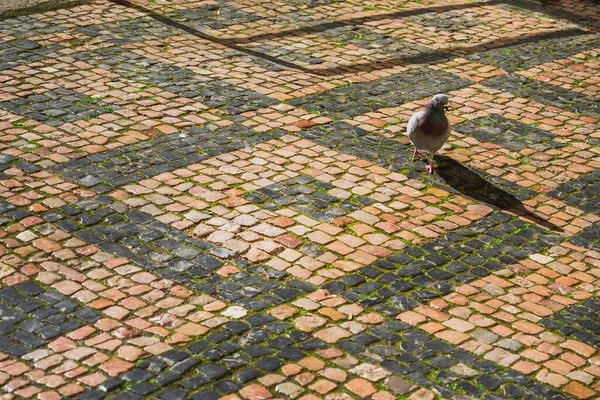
x=214, y=200
x=580, y=322
x=133, y=30
x=558, y=45
x=24, y=26
x=435, y=269
x=386, y=92
x=57, y=107
x=308, y=196
x=182, y=81
x=214, y=16
x=22, y=52
x=512, y=135
x=547, y=94
x=33, y=316
x=163, y=154
x=582, y=192
x=447, y=21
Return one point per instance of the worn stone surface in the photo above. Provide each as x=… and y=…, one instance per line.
x=217, y=200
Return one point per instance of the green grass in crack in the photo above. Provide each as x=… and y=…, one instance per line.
x=21, y=123
x=31, y=146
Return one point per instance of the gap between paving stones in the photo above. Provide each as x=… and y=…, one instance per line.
x=584, y=235
x=416, y=59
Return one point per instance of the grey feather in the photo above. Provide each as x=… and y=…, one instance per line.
x=426, y=134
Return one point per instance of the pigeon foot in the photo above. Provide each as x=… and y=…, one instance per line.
x=416, y=155
x=429, y=168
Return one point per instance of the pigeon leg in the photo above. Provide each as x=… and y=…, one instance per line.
x=416, y=155
x=429, y=168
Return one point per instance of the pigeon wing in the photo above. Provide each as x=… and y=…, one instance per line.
x=413, y=126
x=439, y=142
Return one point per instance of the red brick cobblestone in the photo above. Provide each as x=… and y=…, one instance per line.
x=328, y=342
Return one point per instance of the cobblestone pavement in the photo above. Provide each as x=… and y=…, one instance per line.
x=216, y=200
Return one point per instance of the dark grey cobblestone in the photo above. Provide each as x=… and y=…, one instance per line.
x=24, y=26
x=349, y=139
x=588, y=237
x=58, y=106
x=583, y=192
x=214, y=16
x=125, y=232
x=285, y=54
x=10, y=213
x=308, y=196
x=448, y=21
x=129, y=31
x=7, y=159
x=6, y=162
x=32, y=316
x=580, y=321
x=418, y=274
x=367, y=39
x=228, y=357
x=387, y=92
x=508, y=133
x=547, y=10
x=129, y=164
x=182, y=81
x=413, y=355
x=24, y=51
x=553, y=46
x=312, y=3
x=546, y=93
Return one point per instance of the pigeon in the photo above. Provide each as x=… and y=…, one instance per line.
x=429, y=129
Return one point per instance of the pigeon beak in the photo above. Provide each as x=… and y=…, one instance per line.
x=448, y=107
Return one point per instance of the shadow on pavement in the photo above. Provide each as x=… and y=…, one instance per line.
x=430, y=57
x=472, y=185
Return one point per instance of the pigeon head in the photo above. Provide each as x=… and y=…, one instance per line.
x=440, y=101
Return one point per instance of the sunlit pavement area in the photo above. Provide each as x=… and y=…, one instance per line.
x=217, y=200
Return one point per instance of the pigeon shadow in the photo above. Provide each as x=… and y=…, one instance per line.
x=467, y=182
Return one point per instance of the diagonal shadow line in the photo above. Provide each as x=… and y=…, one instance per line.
x=449, y=53
x=224, y=42
x=422, y=58
x=545, y=7
x=234, y=43
x=362, y=20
